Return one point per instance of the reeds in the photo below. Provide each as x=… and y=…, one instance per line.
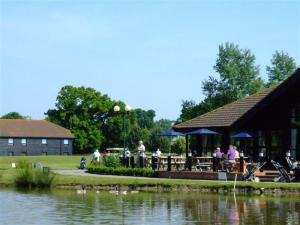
x=28, y=177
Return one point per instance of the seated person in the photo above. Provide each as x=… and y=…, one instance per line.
x=230, y=158
x=218, y=152
x=237, y=154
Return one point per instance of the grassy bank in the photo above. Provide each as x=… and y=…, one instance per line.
x=54, y=162
x=156, y=184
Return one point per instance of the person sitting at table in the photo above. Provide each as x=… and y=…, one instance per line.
x=229, y=158
x=237, y=154
x=218, y=152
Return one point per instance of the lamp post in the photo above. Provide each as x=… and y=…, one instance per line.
x=126, y=110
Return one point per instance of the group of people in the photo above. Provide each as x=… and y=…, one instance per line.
x=224, y=159
x=229, y=158
x=140, y=150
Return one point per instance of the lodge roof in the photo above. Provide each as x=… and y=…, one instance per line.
x=32, y=128
x=230, y=114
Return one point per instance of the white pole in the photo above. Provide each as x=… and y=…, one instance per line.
x=234, y=182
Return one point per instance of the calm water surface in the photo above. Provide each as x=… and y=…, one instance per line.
x=67, y=207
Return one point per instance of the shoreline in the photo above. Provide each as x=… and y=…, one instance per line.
x=78, y=179
x=186, y=189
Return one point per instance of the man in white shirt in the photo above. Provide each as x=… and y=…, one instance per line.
x=141, y=149
x=96, y=156
x=158, y=152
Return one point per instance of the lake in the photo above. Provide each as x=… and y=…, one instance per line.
x=68, y=207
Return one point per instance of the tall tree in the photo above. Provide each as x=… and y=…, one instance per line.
x=282, y=66
x=154, y=141
x=82, y=110
x=13, y=115
x=238, y=77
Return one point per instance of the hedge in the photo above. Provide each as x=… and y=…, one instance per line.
x=139, y=172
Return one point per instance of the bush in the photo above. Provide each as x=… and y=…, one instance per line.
x=139, y=172
x=29, y=178
x=111, y=161
x=179, y=146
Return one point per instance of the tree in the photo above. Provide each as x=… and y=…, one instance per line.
x=145, y=119
x=83, y=111
x=238, y=77
x=188, y=110
x=178, y=146
x=13, y=115
x=282, y=66
x=154, y=141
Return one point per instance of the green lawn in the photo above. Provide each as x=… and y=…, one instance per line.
x=54, y=162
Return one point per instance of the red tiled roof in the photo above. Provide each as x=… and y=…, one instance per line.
x=227, y=115
x=32, y=128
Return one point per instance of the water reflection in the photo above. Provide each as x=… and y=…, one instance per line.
x=67, y=207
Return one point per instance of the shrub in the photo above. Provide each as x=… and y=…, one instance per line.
x=23, y=164
x=179, y=146
x=28, y=178
x=111, y=161
x=122, y=171
x=24, y=177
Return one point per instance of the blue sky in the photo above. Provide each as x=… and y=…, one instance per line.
x=149, y=54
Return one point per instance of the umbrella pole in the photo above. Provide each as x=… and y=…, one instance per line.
x=169, y=156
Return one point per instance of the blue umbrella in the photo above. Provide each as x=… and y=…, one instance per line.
x=202, y=131
x=170, y=133
x=243, y=135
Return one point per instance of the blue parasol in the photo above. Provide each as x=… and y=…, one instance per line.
x=170, y=133
x=243, y=135
x=202, y=131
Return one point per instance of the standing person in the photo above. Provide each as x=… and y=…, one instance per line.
x=158, y=152
x=127, y=157
x=96, y=156
x=141, y=151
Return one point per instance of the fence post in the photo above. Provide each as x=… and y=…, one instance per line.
x=215, y=162
x=242, y=162
x=132, y=161
x=169, y=162
x=190, y=161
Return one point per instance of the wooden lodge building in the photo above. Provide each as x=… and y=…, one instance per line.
x=272, y=116
x=34, y=137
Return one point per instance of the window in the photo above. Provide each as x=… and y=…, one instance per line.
x=66, y=141
x=23, y=141
x=44, y=141
x=10, y=141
